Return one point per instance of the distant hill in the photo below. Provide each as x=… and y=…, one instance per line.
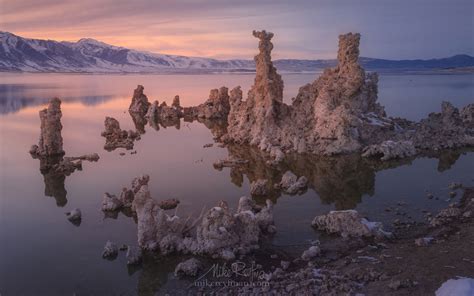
x=92, y=56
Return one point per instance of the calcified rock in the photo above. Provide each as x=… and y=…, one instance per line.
x=176, y=103
x=110, y=250
x=423, y=241
x=348, y=223
x=390, y=150
x=220, y=234
x=336, y=114
x=50, y=141
x=291, y=184
x=134, y=255
x=189, y=267
x=115, y=137
x=139, y=102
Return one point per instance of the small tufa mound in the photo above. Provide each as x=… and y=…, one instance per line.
x=218, y=232
x=349, y=223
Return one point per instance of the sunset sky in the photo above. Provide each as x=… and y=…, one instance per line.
x=401, y=29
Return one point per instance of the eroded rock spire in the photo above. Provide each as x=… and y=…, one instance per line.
x=50, y=141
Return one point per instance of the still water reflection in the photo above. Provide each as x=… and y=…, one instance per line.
x=39, y=245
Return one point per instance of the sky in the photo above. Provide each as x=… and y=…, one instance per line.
x=400, y=29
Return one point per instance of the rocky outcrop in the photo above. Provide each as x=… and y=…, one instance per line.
x=336, y=114
x=349, y=223
x=217, y=233
x=139, y=102
x=115, y=137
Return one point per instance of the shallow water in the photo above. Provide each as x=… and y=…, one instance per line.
x=38, y=246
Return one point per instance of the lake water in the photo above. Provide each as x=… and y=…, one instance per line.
x=42, y=253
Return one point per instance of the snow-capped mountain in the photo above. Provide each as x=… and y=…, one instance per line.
x=92, y=56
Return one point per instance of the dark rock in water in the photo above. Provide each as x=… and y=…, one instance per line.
x=110, y=251
x=190, y=267
x=75, y=216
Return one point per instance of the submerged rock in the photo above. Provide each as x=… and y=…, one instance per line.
x=423, y=241
x=229, y=162
x=190, y=267
x=349, y=223
x=110, y=250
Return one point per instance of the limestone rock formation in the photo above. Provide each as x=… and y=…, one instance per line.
x=219, y=234
x=50, y=141
x=115, y=137
x=349, y=223
x=259, y=187
x=336, y=114
x=139, y=102
x=134, y=255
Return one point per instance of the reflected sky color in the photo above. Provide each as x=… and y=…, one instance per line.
x=403, y=29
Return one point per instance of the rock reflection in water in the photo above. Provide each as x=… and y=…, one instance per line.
x=342, y=180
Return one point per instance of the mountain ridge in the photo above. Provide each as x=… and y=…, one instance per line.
x=87, y=55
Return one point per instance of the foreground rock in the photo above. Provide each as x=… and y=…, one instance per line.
x=336, y=114
x=349, y=223
x=291, y=184
x=115, y=137
x=217, y=233
x=134, y=255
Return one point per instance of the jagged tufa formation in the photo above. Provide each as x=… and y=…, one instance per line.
x=336, y=114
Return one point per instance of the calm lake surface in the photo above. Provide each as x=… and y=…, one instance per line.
x=42, y=253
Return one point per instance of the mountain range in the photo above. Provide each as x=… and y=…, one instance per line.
x=18, y=54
